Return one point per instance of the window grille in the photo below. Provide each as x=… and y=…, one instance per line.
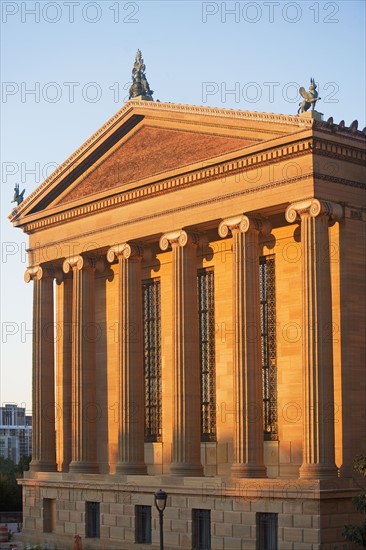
x=152, y=358
x=206, y=316
x=201, y=529
x=267, y=527
x=92, y=518
x=268, y=345
x=143, y=524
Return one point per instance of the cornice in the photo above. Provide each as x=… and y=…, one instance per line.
x=339, y=151
x=226, y=113
x=147, y=106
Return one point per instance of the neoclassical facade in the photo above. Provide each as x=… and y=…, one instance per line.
x=199, y=300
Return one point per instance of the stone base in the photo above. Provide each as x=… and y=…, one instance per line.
x=311, y=114
x=316, y=471
x=186, y=470
x=83, y=467
x=310, y=514
x=248, y=471
x=123, y=468
x=42, y=466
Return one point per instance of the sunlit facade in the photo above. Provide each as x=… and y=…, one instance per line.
x=198, y=279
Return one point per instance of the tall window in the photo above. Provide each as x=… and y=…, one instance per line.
x=152, y=358
x=268, y=345
x=49, y=515
x=267, y=528
x=206, y=315
x=143, y=524
x=201, y=529
x=92, y=519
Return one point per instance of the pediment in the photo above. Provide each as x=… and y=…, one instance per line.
x=150, y=140
x=148, y=152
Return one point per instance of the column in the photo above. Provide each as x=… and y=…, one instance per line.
x=84, y=408
x=317, y=350
x=43, y=377
x=131, y=407
x=186, y=459
x=248, y=390
x=63, y=369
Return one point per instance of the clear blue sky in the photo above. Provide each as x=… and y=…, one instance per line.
x=77, y=58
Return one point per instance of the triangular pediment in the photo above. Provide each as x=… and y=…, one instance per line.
x=147, y=140
x=151, y=151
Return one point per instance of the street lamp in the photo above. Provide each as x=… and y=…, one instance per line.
x=160, y=503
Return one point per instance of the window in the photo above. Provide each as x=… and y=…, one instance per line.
x=92, y=519
x=268, y=345
x=49, y=515
x=201, y=529
x=143, y=524
x=267, y=526
x=152, y=358
x=206, y=319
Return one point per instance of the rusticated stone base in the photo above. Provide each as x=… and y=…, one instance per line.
x=310, y=514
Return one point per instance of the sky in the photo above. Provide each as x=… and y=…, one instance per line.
x=66, y=69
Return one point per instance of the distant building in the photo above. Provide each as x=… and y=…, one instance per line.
x=15, y=432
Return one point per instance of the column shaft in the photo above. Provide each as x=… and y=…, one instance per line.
x=131, y=405
x=84, y=407
x=63, y=370
x=43, y=392
x=186, y=459
x=317, y=347
x=248, y=390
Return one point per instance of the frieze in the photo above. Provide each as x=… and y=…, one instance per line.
x=191, y=206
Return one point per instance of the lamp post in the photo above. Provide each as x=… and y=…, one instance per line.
x=160, y=503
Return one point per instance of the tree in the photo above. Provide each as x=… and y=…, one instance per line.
x=357, y=533
x=10, y=491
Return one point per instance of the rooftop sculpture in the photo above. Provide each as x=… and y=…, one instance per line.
x=18, y=197
x=140, y=87
x=310, y=97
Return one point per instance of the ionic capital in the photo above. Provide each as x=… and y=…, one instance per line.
x=313, y=208
x=127, y=251
x=37, y=273
x=180, y=237
x=242, y=224
x=77, y=263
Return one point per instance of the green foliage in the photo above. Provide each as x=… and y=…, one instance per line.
x=359, y=503
x=10, y=491
x=357, y=533
x=359, y=464
x=24, y=462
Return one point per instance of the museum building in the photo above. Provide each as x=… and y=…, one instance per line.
x=198, y=327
